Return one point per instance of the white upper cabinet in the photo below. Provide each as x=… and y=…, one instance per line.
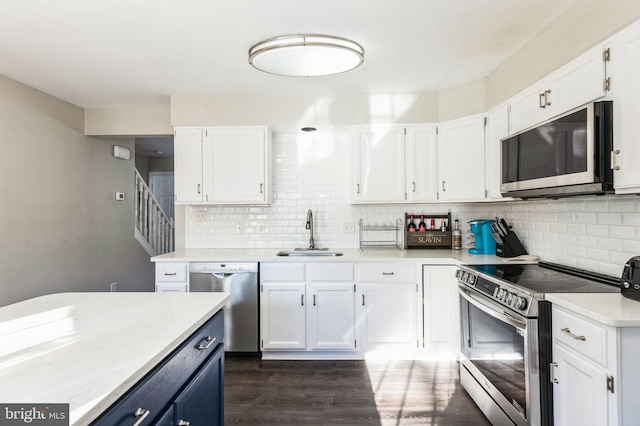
x=421, y=163
x=223, y=165
x=461, y=161
x=188, y=165
x=236, y=164
x=394, y=164
x=579, y=82
x=496, y=129
x=379, y=166
x=625, y=87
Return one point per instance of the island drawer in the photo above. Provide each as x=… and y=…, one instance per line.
x=387, y=272
x=158, y=388
x=585, y=337
x=172, y=271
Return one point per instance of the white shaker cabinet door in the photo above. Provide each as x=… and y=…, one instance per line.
x=331, y=316
x=235, y=165
x=625, y=77
x=282, y=318
x=378, y=164
x=580, y=395
x=497, y=128
x=461, y=160
x=441, y=310
x=188, y=165
x=421, y=163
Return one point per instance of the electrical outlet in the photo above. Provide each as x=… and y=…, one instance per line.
x=201, y=217
x=260, y=229
x=349, y=227
x=114, y=287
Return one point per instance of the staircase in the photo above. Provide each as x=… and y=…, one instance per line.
x=154, y=230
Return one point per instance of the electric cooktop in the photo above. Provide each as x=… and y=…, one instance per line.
x=546, y=277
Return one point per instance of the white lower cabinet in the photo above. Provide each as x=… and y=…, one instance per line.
x=387, y=306
x=441, y=310
x=595, y=371
x=338, y=309
x=172, y=277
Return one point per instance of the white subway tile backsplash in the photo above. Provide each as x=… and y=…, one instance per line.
x=313, y=172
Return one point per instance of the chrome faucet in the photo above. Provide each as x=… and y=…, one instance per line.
x=309, y=226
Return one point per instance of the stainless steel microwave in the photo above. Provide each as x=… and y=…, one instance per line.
x=567, y=155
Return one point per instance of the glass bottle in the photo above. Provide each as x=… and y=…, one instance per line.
x=456, y=236
x=412, y=226
x=422, y=227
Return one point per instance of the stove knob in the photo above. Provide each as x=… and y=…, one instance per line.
x=520, y=303
x=626, y=284
x=463, y=276
x=500, y=293
x=508, y=298
x=471, y=279
x=458, y=272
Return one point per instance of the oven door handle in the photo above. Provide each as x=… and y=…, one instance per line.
x=492, y=309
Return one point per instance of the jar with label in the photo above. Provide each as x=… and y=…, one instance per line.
x=456, y=236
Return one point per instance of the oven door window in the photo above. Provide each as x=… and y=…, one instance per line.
x=497, y=350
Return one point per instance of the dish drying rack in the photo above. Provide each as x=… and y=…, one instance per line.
x=378, y=236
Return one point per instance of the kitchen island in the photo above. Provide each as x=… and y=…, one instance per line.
x=90, y=349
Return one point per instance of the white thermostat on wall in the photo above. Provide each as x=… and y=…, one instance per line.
x=119, y=196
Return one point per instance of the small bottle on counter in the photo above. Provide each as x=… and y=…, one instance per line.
x=412, y=226
x=433, y=224
x=422, y=227
x=443, y=226
x=456, y=236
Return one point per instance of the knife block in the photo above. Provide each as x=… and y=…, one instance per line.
x=511, y=246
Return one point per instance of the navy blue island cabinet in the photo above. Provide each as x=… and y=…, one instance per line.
x=186, y=388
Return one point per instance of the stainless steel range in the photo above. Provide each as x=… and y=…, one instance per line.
x=506, y=335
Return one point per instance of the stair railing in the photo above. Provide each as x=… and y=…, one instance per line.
x=152, y=224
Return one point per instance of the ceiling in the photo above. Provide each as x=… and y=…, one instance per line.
x=126, y=53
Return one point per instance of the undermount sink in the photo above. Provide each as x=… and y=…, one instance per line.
x=309, y=252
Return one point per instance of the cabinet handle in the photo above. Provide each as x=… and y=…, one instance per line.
x=314, y=300
x=142, y=414
x=261, y=186
x=199, y=192
x=302, y=300
x=444, y=189
x=169, y=274
x=414, y=186
x=363, y=300
x=541, y=101
x=567, y=331
x=183, y=423
x=388, y=273
x=547, y=102
x=357, y=188
x=209, y=340
x=552, y=377
x=614, y=166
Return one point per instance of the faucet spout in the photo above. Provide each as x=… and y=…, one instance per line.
x=309, y=226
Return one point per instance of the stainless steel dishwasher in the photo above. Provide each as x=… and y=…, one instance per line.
x=241, y=312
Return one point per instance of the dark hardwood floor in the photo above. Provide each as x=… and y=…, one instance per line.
x=346, y=393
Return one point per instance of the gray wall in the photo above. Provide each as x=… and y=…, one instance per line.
x=60, y=228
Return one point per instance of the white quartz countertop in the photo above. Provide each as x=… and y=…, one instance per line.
x=434, y=257
x=87, y=349
x=607, y=308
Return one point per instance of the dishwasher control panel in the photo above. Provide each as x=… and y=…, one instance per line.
x=226, y=268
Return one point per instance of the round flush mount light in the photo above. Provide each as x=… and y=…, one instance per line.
x=306, y=55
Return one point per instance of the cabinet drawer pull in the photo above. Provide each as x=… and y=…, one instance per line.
x=261, y=188
x=567, y=331
x=552, y=377
x=168, y=274
x=388, y=273
x=414, y=186
x=541, y=102
x=302, y=300
x=209, y=340
x=183, y=423
x=547, y=102
x=357, y=188
x=363, y=300
x=199, y=189
x=314, y=300
x=444, y=188
x=142, y=414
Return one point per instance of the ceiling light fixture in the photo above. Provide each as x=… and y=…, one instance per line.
x=306, y=55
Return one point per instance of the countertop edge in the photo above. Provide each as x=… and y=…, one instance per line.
x=611, y=309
